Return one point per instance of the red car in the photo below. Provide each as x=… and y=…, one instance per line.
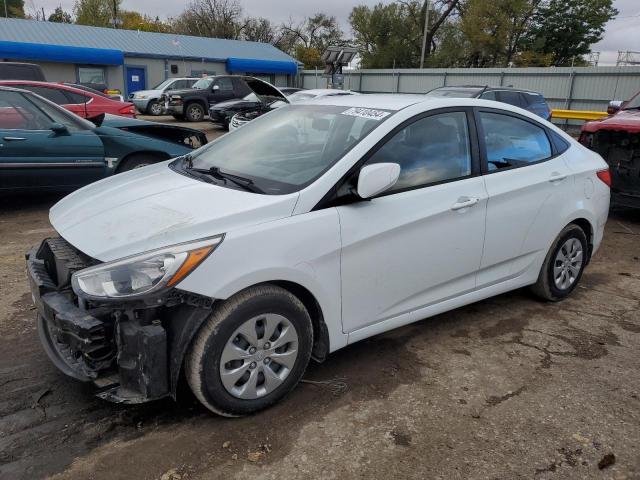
x=617, y=139
x=79, y=101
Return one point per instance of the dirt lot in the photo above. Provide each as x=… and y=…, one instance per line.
x=505, y=388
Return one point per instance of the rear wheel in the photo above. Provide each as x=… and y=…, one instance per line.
x=154, y=108
x=563, y=265
x=251, y=352
x=194, y=112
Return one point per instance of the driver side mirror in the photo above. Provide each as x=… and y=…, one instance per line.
x=376, y=178
x=216, y=87
x=614, y=106
x=59, y=129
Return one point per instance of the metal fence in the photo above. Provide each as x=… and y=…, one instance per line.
x=579, y=88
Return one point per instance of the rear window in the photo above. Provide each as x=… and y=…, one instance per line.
x=510, y=97
x=532, y=98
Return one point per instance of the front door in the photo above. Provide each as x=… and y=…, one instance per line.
x=221, y=90
x=420, y=242
x=33, y=156
x=136, y=79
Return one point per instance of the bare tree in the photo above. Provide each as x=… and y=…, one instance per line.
x=210, y=18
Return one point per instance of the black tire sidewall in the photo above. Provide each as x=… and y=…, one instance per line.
x=134, y=162
x=212, y=387
x=573, y=232
x=188, y=110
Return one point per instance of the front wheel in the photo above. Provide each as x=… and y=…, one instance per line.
x=251, y=352
x=194, y=112
x=563, y=265
x=154, y=108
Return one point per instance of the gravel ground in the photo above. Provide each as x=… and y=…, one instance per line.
x=505, y=388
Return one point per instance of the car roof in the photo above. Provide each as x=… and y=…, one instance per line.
x=324, y=91
x=385, y=101
x=486, y=88
x=60, y=86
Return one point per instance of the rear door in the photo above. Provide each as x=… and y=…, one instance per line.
x=526, y=178
x=34, y=156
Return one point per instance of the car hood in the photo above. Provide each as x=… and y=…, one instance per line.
x=627, y=120
x=153, y=207
x=185, y=91
x=147, y=92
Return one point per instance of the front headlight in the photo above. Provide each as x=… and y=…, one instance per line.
x=143, y=274
x=141, y=97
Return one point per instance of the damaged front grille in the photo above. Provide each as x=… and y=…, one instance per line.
x=61, y=260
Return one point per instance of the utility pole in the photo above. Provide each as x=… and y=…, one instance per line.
x=5, y=9
x=115, y=13
x=424, y=34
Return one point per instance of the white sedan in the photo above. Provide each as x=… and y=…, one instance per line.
x=317, y=226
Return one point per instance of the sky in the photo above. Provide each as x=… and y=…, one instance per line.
x=622, y=33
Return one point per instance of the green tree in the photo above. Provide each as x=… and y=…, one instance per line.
x=97, y=13
x=308, y=40
x=12, y=8
x=130, y=20
x=389, y=34
x=564, y=30
x=60, y=16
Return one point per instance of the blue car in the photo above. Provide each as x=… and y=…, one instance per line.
x=45, y=147
x=531, y=101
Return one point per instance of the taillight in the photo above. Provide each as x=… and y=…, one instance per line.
x=128, y=110
x=605, y=176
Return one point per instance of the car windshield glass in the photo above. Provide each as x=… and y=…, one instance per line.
x=633, y=103
x=454, y=92
x=161, y=86
x=290, y=147
x=203, y=83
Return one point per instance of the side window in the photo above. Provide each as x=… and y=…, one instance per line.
x=512, y=142
x=76, y=98
x=92, y=75
x=54, y=95
x=510, y=97
x=432, y=149
x=225, y=84
x=17, y=113
x=490, y=95
x=57, y=115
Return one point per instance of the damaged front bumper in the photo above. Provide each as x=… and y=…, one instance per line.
x=132, y=351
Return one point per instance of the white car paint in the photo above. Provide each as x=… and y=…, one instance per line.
x=371, y=265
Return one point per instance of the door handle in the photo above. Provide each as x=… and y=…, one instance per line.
x=557, y=177
x=13, y=139
x=464, y=202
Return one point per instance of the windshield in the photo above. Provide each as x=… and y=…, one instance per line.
x=289, y=148
x=454, y=92
x=633, y=103
x=203, y=83
x=161, y=86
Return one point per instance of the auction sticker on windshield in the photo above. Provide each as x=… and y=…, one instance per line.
x=369, y=113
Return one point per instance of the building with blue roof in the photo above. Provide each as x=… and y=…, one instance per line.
x=130, y=60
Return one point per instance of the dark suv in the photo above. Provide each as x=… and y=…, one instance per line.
x=531, y=101
x=193, y=103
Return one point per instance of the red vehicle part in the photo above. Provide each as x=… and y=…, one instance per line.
x=81, y=102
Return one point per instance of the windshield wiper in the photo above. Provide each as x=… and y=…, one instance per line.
x=215, y=172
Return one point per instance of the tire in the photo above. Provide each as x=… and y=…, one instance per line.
x=553, y=285
x=154, y=108
x=194, y=112
x=136, y=161
x=228, y=331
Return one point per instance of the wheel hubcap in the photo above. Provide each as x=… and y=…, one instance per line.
x=259, y=356
x=195, y=113
x=156, y=109
x=567, y=264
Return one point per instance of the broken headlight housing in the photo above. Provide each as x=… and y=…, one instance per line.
x=142, y=274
